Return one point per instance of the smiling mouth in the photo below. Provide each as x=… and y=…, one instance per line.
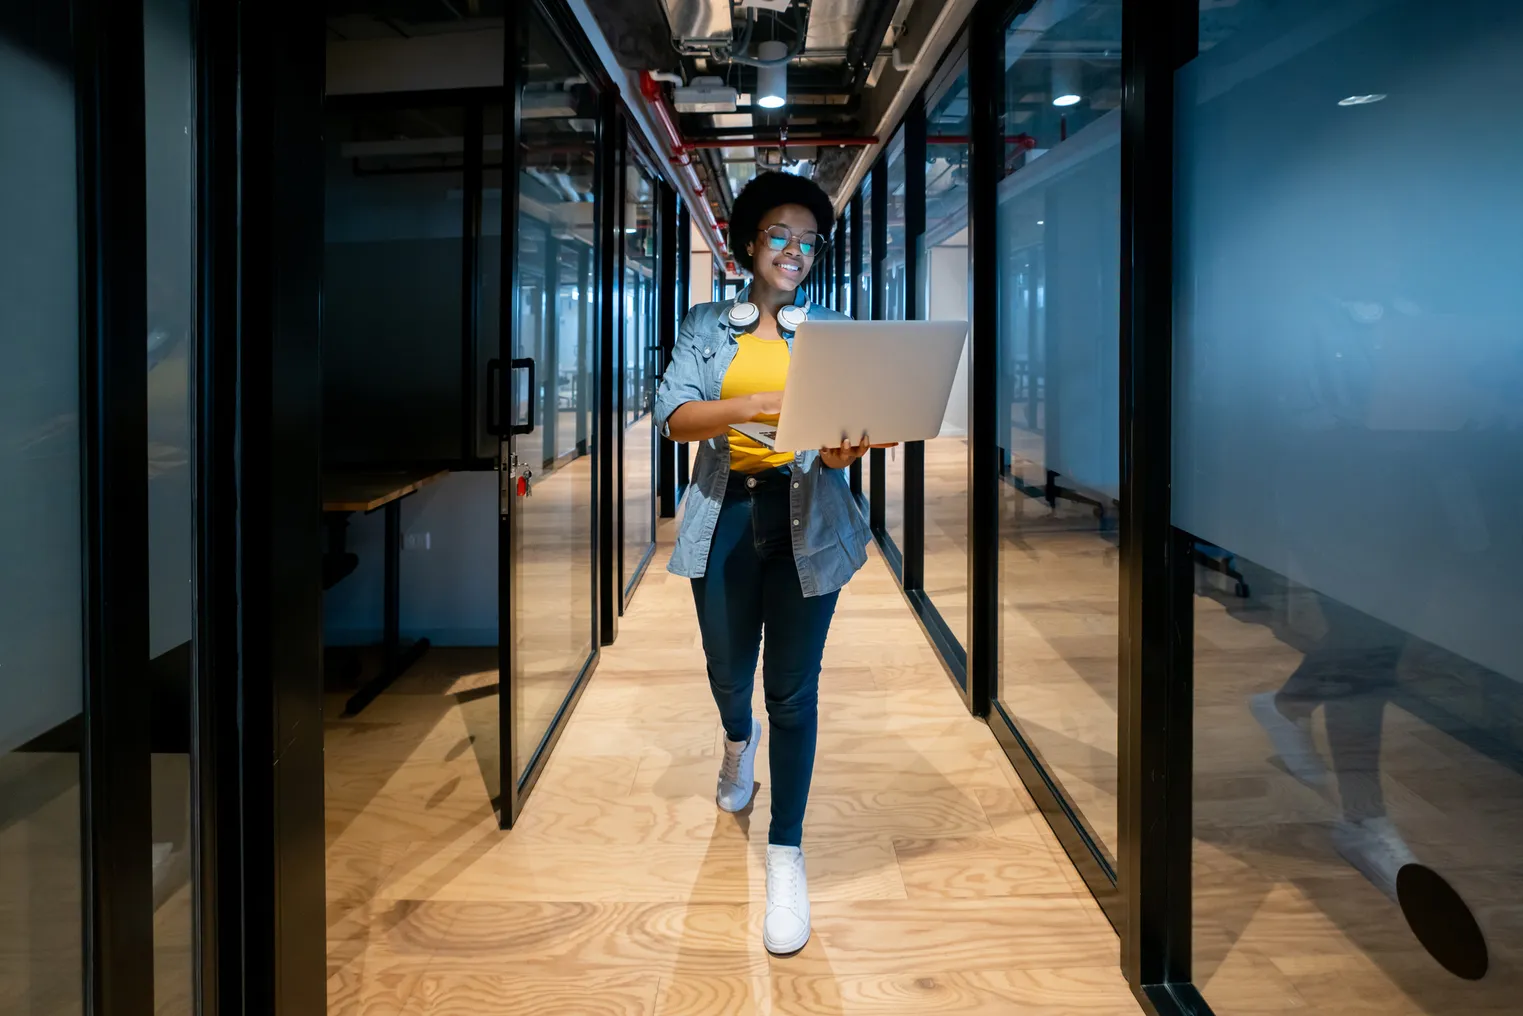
x=789, y=266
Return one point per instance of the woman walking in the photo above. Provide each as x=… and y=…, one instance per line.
x=767, y=538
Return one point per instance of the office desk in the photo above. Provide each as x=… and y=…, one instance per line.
x=368, y=491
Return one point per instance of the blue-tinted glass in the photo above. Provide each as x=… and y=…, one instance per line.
x=41, y=596
x=1349, y=456
x=1059, y=237
x=944, y=297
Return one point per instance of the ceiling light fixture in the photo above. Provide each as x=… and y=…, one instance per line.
x=1360, y=100
x=772, y=80
x=1065, y=83
x=705, y=95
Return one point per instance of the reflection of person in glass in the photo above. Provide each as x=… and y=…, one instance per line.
x=767, y=538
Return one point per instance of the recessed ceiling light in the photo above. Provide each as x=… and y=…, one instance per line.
x=629, y=229
x=1066, y=100
x=1360, y=100
x=1041, y=222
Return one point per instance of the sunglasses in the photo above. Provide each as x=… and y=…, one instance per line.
x=779, y=236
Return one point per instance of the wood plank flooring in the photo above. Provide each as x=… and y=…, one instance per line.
x=937, y=888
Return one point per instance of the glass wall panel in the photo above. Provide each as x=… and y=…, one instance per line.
x=1348, y=432
x=863, y=299
x=1059, y=236
x=895, y=284
x=553, y=584
x=169, y=81
x=639, y=373
x=41, y=620
x=945, y=298
x=392, y=266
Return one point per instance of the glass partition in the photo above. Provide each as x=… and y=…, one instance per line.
x=944, y=297
x=1059, y=238
x=42, y=893
x=553, y=582
x=640, y=349
x=895, y=282
x=170, y=123
x=1348, y=435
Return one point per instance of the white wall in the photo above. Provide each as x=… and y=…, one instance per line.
x=948, y=301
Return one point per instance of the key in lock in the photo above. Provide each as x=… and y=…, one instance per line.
x=525, y=489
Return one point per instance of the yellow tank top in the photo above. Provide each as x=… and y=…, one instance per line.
x=760, y=365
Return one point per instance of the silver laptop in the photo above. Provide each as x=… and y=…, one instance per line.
x=890, y=380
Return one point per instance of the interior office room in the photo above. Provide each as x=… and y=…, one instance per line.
x=1183, y=674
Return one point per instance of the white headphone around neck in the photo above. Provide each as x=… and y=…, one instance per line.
x=743, y=316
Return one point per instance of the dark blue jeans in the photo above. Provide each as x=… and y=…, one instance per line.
x=751, y=583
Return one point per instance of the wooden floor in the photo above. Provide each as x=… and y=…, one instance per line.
x=623, y=890
x=1283, y=923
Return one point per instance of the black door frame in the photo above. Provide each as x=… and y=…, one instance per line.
x=516, y=787
x=116, y=787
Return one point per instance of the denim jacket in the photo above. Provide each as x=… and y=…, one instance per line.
x=829, y=533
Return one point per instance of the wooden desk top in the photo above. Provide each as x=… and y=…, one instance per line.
x=365, y=491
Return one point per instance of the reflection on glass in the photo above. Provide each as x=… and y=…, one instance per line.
x=945, y=298
x=556, y=251
x=895, y=284
x=391, y=286
x=1349, y=460
x=1059, y=236
x=639, y=384
x=169, y=84
x=41, y=692
x=863, y=300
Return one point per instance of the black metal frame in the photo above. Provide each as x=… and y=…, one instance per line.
x=1155, y=707
x=116, y=789
x=877, y=459
x=610, y=425
x=271, y=127
x=216, y=750
x=672, y=266
x=859, y=313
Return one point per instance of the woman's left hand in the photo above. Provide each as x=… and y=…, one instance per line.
x=843, y=456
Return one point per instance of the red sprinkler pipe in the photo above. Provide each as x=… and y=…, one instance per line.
x=651, y=89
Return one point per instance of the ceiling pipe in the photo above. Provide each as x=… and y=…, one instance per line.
x=773, y=142
x=867, y=35
x=650, y=88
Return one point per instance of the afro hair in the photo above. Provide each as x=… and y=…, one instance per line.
x=767, y=191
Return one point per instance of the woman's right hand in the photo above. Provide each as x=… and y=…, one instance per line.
x=764, y=405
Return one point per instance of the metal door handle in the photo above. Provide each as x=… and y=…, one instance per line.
x=525, y=363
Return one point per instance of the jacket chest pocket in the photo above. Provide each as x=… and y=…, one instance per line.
x=712, y=367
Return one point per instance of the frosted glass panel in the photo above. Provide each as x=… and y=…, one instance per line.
x=1348, y=437
x=1350, y=343
x=41, y=633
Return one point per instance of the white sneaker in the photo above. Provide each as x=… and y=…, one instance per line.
x=737, y=773
x=1376, y=849
x=1291, y=739
x=786, y=928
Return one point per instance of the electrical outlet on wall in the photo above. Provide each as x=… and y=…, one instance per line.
x=417, y=541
